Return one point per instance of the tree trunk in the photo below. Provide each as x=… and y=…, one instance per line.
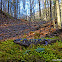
x=34, y=14
x=17, y=8
x=19, y=11
x=61, y=12
x=54, y=2
x=58, y=14
x=10, y=9
x=48, y=8
x=5, y=6
x=30, y=18
x=50, y=11
x=8, y=6
x=39, y=10
x=1, y=5
x=15, y=12
x=14, y=1
x=45, y=9
x=30, y=11
x=24, y=3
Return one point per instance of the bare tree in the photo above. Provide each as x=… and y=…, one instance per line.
x=61, y=11
x=1, y=5
x=17, y=7
x=24, y=1
x=50, y=9
x=58, y=14
x=54, y=12
x=8, y=6
x=14, y=2
x=39, y=9
x=31, y=8
x=45, y=9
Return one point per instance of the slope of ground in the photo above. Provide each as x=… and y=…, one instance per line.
x=6, y=19
x=10, y=51
x=14, y=28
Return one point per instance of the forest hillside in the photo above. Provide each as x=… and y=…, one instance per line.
x=30, y=30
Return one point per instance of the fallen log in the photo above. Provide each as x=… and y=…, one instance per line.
x=26, y=42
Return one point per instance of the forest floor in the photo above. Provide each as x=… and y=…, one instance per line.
x=16, y=30
x=12, y=28
x=19, y=28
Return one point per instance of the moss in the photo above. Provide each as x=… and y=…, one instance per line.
x=56, y=37
x=9, y=51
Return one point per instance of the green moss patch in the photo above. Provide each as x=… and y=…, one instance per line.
x=9, y=51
